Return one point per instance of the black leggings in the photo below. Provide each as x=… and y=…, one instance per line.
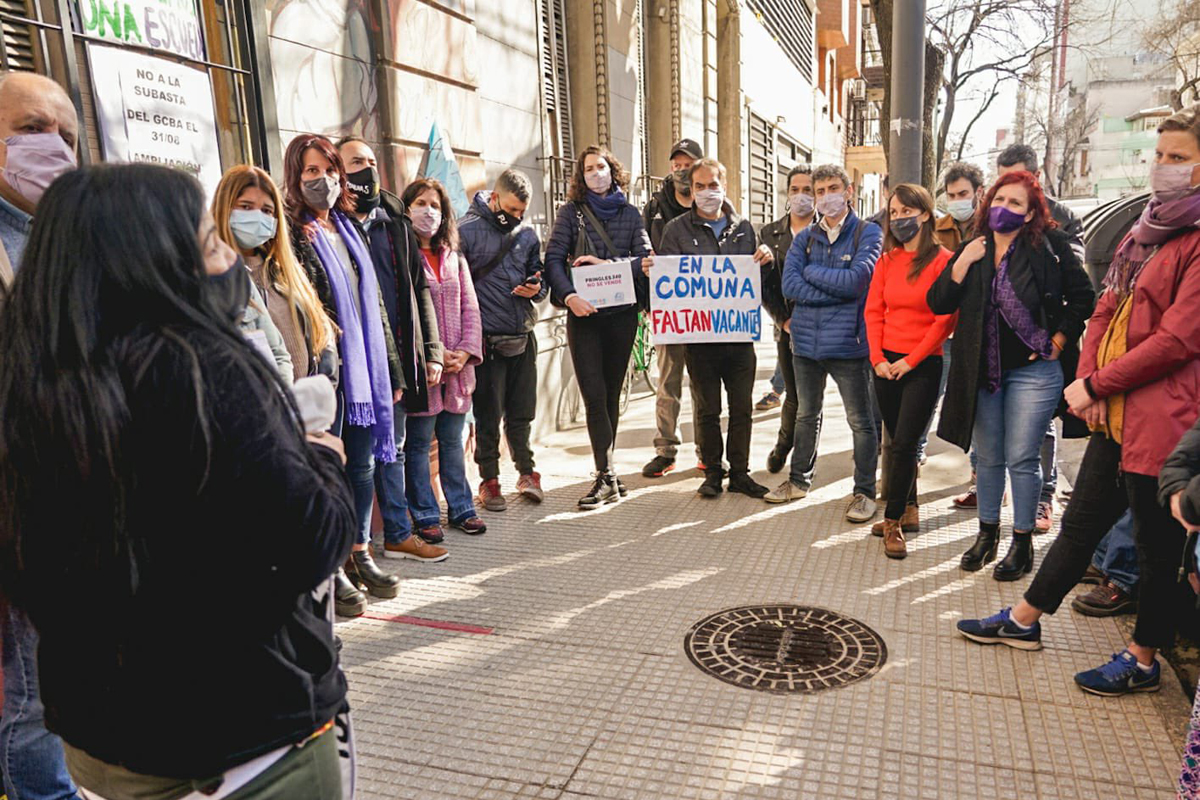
x=906, y=406
x=600, y=348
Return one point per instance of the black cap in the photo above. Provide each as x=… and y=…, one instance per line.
x=688, y=147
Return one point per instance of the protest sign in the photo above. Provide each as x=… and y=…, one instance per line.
x=695, y=299
x=170, y=25
x=607, y=284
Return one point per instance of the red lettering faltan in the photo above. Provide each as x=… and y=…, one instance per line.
x=681, y=320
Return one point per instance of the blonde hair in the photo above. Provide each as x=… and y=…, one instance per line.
x=283, y=271
x=1187, y=120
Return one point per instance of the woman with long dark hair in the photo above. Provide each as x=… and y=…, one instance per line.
x=1023, y=299
x=906, y=339
x=598, y=224
x=128, y=391
x=332, y=249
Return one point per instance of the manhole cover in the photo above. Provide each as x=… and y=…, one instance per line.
x=785, y=648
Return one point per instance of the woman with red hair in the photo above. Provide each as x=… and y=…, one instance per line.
x=1022, y=298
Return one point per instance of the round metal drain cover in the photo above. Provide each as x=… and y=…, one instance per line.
x=785, y=648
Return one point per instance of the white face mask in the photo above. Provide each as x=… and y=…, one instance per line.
x=831, y=204
x=961, y=210
x=1169, y=181
x=426, y=220
x=599, y=181
x=710, y=201
x=801, y=204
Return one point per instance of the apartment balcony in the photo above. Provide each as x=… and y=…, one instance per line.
x=864, y=134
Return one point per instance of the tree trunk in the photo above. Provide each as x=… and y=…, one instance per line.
x=935, y=60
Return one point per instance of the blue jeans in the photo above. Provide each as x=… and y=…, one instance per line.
x=389, y=487
x=360, y=467
x=852, y=376
x=1010, y=426
x=1049, y=459
x=1116, y=555
x=452, y=469
x=921, y=445
x=777, y=385
x=31, y=756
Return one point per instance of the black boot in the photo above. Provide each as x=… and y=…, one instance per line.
x=984, y=549
x=347, y=600
x=366, y=574
x=776, y=459
x=1018, y=560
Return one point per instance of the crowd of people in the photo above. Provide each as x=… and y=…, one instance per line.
x=259, y=371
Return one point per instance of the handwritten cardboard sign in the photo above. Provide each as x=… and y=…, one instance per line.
x=695, y=299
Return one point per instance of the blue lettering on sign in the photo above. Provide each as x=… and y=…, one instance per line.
x=690, y=284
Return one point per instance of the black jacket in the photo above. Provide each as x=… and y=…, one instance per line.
x=1050, y=281
x=1181, y=473
x=1070, y=225
x=777, y=235
x=480, y=239
x=662, y=208
x=224, y=649
x=628, y=235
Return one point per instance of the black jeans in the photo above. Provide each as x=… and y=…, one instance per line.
x=709, y=366
x=791, y=402
x=505, y=389
x=600, y=348
x=906, y=406
x=1100, y=496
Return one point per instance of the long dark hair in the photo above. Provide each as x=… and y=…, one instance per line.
x=1042, y=221
x=918, y=197
x=293, y=171
x=447, y=233
x=578, y=190
x=112, y=278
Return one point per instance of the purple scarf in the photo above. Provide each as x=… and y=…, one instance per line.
x=1005, y=303
x=366, y=384
x=1160, y=222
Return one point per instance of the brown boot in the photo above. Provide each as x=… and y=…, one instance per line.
x=893, y=539
x=911, y=521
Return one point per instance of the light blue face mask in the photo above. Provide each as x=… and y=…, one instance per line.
x=251, y=229
x=961, y=210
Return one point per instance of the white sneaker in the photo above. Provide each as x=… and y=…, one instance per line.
x=861, y=509
x=785, y=492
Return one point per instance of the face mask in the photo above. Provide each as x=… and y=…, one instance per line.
x=904, y=228
x=1168, y=180
x=251, y=229
x=599, y=181
x=426, y=220
x=364, y=185
x=961, y=210
x=710, y=201
x=230, y=291
x=322, y=193
x=683, y=181
x=34, y=161
x=506, y=221
x=801, y=204
x=831, y=205
x=1001, y=220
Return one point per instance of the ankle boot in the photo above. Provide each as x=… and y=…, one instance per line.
x=984, y=549
x=347, y=600
x=1018, y=560
x=894, y=545
x=366, y=574
x=910, y=522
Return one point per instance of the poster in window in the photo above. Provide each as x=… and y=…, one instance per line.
x=170, y=25
x=154, y=110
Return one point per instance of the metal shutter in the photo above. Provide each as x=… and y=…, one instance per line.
x=20, y=48
x=790, y=22
x=762, y=171
x=555, y=78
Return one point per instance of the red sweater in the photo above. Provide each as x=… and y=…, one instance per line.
x=897, y=315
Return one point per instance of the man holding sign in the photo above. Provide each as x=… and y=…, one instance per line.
x=711, y=301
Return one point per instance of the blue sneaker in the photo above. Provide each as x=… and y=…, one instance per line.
x=1120, y=676
x=1000, y=629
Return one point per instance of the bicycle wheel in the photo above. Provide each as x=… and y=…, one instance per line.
x=650, y=374
x=627, y=387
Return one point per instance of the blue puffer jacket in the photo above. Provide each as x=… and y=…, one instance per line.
x=828, y=283
x=628, y=234
x=480, y=239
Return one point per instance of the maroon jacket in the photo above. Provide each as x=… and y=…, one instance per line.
x=1160, y=373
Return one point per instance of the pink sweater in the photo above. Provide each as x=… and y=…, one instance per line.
x=460, y=328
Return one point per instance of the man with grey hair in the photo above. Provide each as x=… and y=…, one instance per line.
x=827, y=274
x=38, y=130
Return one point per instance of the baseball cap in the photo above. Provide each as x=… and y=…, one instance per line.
x=688, y=147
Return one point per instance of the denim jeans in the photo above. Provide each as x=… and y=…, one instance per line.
x=31, y=756
x=389, y=488
x=1049, y=458
x=777, y=384
x=1010, y=426
x=360, y=467
x=921, y=445
x=1116, y=555
x=852, y=376
x=452, y=469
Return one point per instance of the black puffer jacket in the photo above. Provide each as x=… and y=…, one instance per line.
x=777, y=235
x=1181, y=473
x=628, y=235
x=662, y=208
x=480, y=239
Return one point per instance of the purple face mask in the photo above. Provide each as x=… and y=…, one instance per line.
x=34, y=160
x=1001, y=220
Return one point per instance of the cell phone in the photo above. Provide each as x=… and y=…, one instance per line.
x=533, y=280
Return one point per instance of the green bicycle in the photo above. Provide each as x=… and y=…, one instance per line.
x=642, y=364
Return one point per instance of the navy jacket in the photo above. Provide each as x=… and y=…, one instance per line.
x=828, y=283
x=480, y=239
x=628, y=234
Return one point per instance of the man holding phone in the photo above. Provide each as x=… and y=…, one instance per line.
x=506, y=265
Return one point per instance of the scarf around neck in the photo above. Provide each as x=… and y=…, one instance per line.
x=606, y=207
x=1161, y=221
x=366, y=383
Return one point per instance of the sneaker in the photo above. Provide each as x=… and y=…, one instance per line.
x=700, y=466
x=922, y=457
x=744, y=484
x=658, y=466
x=530, y=486
x=1045, y=516
x=621, y=490
x=711, y=486
x=968, y=500
x=491, y=497
x=471, y=525
x=1120, y=676
x=432, y=534
x=604, y=490
x=861, y=509
x=415, y=548
x=1000, y=629
x=769, y=400
x=1093, y=576
x=785, y=492
x=1106, y=600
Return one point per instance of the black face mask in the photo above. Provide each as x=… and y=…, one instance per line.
x=364, y=185
x=506, y=221
x=230, y=291
x=904, y=228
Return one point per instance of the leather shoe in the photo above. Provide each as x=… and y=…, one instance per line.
x=1018, y=560
x=983, y=551
x=366, y=574
x=910, y=522
x=894, y=545
x=348, y=601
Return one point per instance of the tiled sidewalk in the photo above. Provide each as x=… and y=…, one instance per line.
x=582, y=688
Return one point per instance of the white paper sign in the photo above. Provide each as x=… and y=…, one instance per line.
x=154, y=110
x=695, y=299
x=606, y=284
x=170, y=25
